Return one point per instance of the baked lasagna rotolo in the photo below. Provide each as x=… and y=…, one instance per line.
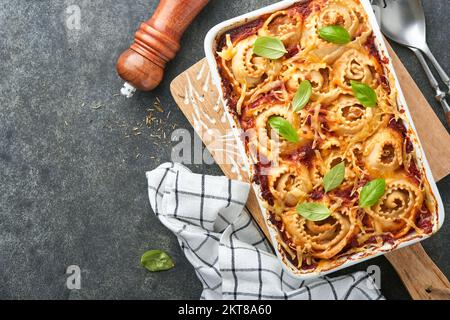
x=336, y=167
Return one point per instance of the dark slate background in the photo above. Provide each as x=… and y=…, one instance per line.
x=72, y=186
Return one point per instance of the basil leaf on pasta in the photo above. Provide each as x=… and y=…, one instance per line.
x=269, y=47
x=302, y=95
x=313, y=211
x=284, y=128
x=334, y=177
x=371, y=193
x=156, y=260
x=335, y=34
x=365, y=94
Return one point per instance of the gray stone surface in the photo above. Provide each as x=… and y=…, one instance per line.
x=72, y=186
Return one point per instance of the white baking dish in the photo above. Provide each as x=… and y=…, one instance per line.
x=210, y=45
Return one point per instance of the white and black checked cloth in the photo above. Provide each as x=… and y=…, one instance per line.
x=231, y=256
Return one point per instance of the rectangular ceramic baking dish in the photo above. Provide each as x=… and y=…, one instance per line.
x=210, y=47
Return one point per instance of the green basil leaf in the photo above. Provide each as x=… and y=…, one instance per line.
x=371, y=193
x=334, y=177
x=335, y=34
x=302, y=95
x=313, y=211
x=156, y=260
x=269, y=47
x=284, y=128
x=365, y=94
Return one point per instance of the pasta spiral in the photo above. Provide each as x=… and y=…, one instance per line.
x=264, y=139
x=322, y=240
x=246, y=66
x=284, y=25
x=336, y=12
x=353, y=65
x=395, y=212
x=384, y=152
x=289, y=184
x=348, y=117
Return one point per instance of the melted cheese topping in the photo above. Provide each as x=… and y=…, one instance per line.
x=332, y=128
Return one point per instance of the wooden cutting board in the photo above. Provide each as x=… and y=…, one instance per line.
x=199, y=100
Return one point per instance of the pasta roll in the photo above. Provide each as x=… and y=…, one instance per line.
x=285, y=25
x=322, y=239
x=346, y=15
x=396, y=210
x=353, y=65
x=289, y=184
x=264, y=140
x=383, y=152
x=348, y=117
x=335, y=12
x=318, y=74
x=248, y=68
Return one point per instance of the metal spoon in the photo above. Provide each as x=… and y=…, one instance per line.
x=404, y=22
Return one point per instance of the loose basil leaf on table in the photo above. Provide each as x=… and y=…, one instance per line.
x=302, y=95
x=269, y=47
x=313, y=211
x=335, y=34
x=284, y=128
x=334, y=177
x=371, y=193
x=365, y=94
x=156, y=260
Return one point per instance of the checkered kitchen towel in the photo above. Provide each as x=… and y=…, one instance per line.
x=230, y=254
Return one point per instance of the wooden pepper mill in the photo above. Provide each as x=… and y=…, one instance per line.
x=156, y=42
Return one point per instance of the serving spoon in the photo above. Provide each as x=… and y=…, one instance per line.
x=403, y=21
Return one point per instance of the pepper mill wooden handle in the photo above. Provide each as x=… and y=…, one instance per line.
x=156, y=42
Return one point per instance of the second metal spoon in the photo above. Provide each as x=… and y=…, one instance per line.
x=440, y=95
x=404, y=22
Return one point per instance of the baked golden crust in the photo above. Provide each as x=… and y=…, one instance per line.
x=333, y=127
